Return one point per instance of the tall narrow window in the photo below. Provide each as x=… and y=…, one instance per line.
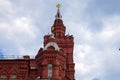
x=3, y=77
x=13, y=77
x=49, y=70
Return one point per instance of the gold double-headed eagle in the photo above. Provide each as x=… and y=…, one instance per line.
x=58, y=5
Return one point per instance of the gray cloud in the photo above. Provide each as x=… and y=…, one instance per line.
x=96, y=55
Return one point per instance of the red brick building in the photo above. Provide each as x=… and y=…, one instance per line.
x=53, y=62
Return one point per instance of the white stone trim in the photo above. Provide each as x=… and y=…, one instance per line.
x=53, y=44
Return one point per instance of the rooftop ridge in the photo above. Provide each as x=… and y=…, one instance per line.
x=2, y=57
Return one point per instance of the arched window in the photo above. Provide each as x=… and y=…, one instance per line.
x=13, y=77
x=3, y=77
x=49, y=70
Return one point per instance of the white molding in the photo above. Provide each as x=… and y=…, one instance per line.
x=53, y=44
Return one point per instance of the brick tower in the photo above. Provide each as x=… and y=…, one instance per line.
x=55, y=60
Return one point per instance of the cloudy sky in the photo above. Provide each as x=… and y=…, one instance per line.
x=95, y=25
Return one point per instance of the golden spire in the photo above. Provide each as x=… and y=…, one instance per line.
x=58, y=5
x=58, y=15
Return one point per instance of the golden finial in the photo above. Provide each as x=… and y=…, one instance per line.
x=58, y=5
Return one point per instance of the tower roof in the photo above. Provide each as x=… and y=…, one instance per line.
x=58, y=15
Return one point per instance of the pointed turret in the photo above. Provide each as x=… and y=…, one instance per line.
x=58, y=28
x=58, y=15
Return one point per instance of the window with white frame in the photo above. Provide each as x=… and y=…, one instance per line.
x=13, y=77
x=49, y=70
x=3, y=77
